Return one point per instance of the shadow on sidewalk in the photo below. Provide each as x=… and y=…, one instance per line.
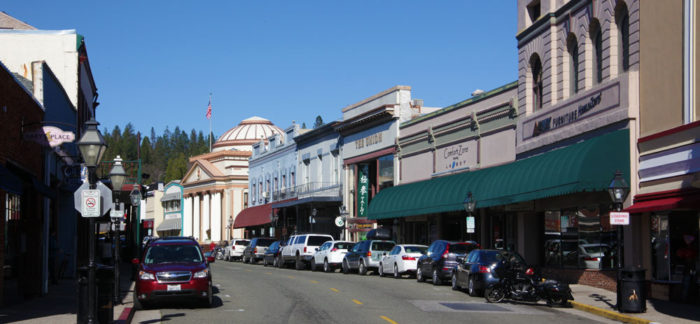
x=60, y=305
x=675, y=309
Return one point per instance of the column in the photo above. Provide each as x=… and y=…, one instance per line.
x=187, y=217
x=206, y=216
x=216, y=217
x=196, y=217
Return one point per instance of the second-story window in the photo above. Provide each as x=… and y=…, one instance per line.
x=245, y=200
x=572, y=49
x=622, y=20
x=534, y=10
x=537, y=86
x=597, y=46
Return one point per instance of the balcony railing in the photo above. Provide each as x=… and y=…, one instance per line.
x=312, y=189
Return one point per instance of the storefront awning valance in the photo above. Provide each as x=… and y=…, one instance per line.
x=253, y=216
x=9, y=182
x=170, y=225
x=586, y=166
x=670, y=200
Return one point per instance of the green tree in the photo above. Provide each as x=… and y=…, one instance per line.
x=176, y=168
x=319, y=122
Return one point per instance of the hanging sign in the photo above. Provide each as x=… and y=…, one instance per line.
x=470, y=224
x=362, y=190
x=619, y=218
x=50, y=135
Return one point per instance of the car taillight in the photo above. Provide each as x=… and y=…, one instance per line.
x=255, y=250
x=304, y=249
x=591, y=259
x=447, y=251
x=233, y=247
x=334, y=249
x=369, y=253
x=408, y=258
x=484, y=269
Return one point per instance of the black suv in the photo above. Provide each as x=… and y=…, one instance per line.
x=441, y=258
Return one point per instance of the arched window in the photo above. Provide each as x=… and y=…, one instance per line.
x=572, y=49
x=622, y=19
x=537, y=87
x=597, y=41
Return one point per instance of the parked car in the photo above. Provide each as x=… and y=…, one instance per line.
x=403, y=258
x=474, y=272
x=173, y=268
x=365, y=256
x=592, y=255
x=301, y=248
x=234, y=251
x=255, y=251
x=270, y=255
x=330, y=255
x=283, y=245
x=441, y=259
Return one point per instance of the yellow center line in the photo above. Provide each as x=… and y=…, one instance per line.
x=268, y=273
x=249, y=270
x=290, y=277
x=357, y=301
x=314, y=281
x=388, y=319
x=336, y=290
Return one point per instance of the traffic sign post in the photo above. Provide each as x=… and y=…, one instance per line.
x=90, y=203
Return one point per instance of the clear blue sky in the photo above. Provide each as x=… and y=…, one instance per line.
x=155, y=62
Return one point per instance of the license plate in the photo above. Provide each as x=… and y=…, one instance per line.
x=173, y=287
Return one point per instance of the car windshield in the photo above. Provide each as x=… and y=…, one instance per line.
x=344, y=245
x=265, y=242
x=244, y=243
x=159, y=254
x=382, y=246
x=462, y=248
x=416, y=249
x=317, y=240
x=491, y=257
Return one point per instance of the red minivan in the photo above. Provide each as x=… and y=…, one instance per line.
x=173, y=268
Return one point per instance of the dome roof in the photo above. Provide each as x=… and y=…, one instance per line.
x=247, y=133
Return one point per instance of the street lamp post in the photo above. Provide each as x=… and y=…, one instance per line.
x=117, y=175
x=618, y=190
x=312, y=219
x=469, y=206
x=92, y=147
x=135, y=196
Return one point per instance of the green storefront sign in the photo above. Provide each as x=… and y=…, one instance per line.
x=362, y=190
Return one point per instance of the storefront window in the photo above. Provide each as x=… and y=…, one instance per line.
x=579, y=238
x=674, y=245
x=386, y=171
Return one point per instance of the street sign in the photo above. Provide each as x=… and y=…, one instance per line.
x=90, y=203
x=105, y=198
x=471, y=224
x=619, y=218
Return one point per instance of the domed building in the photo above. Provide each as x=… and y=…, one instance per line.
x=216, y=184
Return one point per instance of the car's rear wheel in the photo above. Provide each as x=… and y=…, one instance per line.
x=454, y=282
x=381, y=270
x=419, y=275
x=346, y=267
x=298, y=264
x=470, y=287
x=326, y=266
x=313, y=264
x=397, y=275
x=436, y=278
x=362, y=270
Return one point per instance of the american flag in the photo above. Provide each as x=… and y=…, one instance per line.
x=209, y=110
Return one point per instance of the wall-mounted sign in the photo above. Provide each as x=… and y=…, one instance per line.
x=619, y=218
x=362, y=189
x=580, y=109
x=456, y=156
x=50, y=135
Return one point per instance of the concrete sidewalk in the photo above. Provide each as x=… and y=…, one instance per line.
x=60, y=305
x=602, y=302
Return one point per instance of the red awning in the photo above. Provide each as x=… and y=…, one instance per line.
x=253, y=216
x=669, y=200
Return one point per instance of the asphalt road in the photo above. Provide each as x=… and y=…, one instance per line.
x=255, y=294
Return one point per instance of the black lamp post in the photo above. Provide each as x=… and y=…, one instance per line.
x=135, y=196
x=469, y=206
x=117, y=175
x=92, y=147
x=618, y=190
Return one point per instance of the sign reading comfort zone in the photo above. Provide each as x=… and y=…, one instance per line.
x=456, y=156
x=585, y=107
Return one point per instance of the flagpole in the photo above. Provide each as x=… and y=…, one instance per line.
x=210, y=123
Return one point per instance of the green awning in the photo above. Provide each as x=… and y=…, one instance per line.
x=586, y=166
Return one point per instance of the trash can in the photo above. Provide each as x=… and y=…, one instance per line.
x=631, y=292
x=82, y=294
x=105, y=289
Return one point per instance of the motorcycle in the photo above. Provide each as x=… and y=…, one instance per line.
x=524, y=284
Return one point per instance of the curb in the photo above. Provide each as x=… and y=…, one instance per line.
x=126, y=316
x=608, y=314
